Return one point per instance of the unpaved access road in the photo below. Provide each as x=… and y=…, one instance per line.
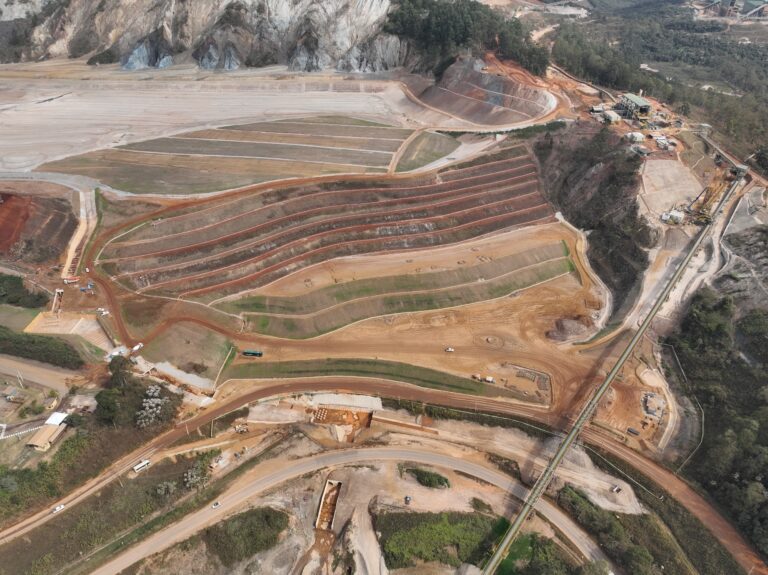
x=720, y=527
x=39, y=373
x=265, y=477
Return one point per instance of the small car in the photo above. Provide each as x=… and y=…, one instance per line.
x=216, y=505
x=449, y=350
x=57, y=509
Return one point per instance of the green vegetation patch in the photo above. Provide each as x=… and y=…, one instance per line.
x=426, y=148
x=78, y=531
x=320, y=299
x=450, y=538
x=638, y=543
x=40, y=348
x=421, y=376
x=701, y=548
x=13, y=292
x=116, y=428
x=432, y=26
x=731, y=462
x=429, y=478
x=245, y=534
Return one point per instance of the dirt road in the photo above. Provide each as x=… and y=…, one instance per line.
x=721, y=528
x=265, y=477
x=39, y=373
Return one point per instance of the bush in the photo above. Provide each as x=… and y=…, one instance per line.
x=13, y=292
x=246, y=534
x=429, y=478
x=450, y=538
x=41, y=348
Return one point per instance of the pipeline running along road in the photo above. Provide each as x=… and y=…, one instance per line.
x=586, y=413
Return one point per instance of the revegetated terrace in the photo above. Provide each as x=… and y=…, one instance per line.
x=232, y=245
x=234, y=156
x=330, y=308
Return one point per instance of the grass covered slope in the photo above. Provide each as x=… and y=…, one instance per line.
x=420, y=376
x=295, y=318
x=425, y=149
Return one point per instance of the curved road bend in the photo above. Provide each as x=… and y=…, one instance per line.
x=232, y=500
x=721, y=528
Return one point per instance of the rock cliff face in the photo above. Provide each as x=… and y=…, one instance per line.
x=219, y=34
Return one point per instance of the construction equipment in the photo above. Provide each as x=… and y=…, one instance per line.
x=701, y=207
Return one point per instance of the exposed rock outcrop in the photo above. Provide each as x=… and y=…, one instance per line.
x=219, y=34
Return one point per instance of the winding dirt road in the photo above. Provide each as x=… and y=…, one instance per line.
x=721, y=528
x=265, y=477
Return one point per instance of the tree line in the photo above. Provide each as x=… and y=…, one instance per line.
x=442, y=28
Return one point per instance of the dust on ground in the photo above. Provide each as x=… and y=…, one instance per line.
x=71, y=323
x=532, y=456
x=666, y=184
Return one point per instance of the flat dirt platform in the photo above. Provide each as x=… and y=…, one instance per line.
x=667, y=184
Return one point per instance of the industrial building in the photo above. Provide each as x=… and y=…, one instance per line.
x=635, y=107
x=51, y=430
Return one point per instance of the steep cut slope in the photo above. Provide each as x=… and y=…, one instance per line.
x=218, y=34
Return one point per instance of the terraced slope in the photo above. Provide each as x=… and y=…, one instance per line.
x=330, y=308
x=239, y=244
x=233, y=156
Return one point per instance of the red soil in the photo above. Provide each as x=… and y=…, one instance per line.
x=14, y=213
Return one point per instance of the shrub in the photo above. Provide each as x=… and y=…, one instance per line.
x=13, y=292
x=245, y=534
x=429, y=478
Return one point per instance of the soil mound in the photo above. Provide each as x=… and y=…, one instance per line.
x=568, y=327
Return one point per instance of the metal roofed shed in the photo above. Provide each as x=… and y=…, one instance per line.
x=635, y=106
x=56, y=418
x=611, y=117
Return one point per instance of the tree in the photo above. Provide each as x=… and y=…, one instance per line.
x=596, y=568
x=761, y=157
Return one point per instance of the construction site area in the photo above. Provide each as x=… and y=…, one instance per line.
x=322, y=249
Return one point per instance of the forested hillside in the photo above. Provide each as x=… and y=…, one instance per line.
x=726, y=363
x=610, y=50
x=442, y=29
